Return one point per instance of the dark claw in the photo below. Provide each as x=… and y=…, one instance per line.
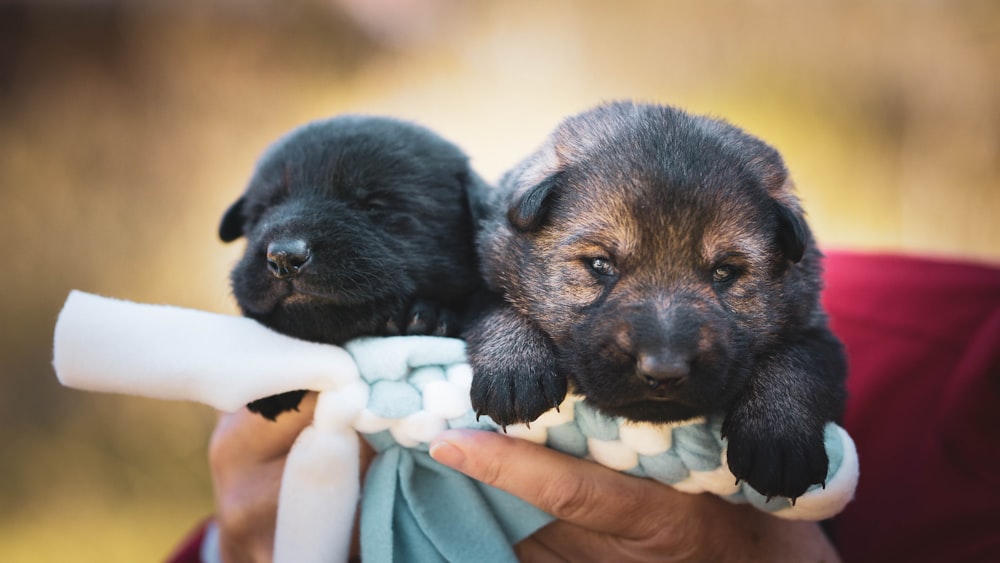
x=391, y=328
x=417, y=325
x=422, y=317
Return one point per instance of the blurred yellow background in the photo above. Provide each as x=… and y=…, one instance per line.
x=128, y=126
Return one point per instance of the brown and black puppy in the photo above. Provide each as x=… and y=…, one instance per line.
x=660, y=263
x=355, y=226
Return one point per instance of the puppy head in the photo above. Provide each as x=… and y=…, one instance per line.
x=346, y=220
x=660, y=251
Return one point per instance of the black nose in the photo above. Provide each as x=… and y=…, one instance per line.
x=285, y=258
x=662, y=370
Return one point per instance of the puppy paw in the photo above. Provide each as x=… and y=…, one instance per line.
x=776, y=462
x=423, y=317
x=515, y=378
x=510, y=395
x=271, y=407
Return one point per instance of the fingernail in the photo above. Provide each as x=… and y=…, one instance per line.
x=447, y=454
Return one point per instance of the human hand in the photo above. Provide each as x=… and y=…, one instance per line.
x=605, y=515
x=247, y=456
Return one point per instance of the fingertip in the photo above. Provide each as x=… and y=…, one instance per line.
x=446, y=453
x=450, y=447
x=460, y=448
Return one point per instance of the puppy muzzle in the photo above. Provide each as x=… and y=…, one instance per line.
x=287, y=257
x=665, y=343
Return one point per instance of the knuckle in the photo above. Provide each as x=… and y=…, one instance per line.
x=244, y=516
x=570, y=499
x=232, y=515
x=492, y=473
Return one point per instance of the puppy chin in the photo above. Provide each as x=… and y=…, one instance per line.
x=648, y=410
x=302, y=317
x=266, y=295
x=262, y=302
x=614, y=393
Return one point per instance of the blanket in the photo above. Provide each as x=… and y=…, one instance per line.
x=398, y=393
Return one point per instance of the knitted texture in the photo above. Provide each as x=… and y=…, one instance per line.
x=419, y=386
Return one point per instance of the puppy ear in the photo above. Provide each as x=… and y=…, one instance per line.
x=529, y=207
x=792, y=232
x=231, y=227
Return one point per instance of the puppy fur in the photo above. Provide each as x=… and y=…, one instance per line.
x=660, y=263
x=355, y=225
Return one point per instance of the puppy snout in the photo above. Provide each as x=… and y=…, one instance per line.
x=286, y=258
x=662, y=371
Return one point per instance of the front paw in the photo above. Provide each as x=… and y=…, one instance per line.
x=423, y=317
x=776, y=462
x=513, y=364
x=511, y=394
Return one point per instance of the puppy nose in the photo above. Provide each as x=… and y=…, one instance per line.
x=662, y=370
x=285, y=258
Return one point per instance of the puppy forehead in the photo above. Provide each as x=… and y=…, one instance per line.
x=330, y=166
x=351, y=155
x=598, y=220
x=677, y=172
x=654, y=224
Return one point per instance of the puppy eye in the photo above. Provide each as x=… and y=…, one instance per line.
x=724, y=274
x=601, y=266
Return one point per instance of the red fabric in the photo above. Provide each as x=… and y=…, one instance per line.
x=189, y=550
x=923, y=343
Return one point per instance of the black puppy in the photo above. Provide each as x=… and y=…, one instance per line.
x=355, y=226
x=660, y=263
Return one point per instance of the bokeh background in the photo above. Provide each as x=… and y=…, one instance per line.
x=128, y=126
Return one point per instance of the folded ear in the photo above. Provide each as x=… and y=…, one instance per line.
x=792, y=232
x=231, y=227
x=529, y=207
